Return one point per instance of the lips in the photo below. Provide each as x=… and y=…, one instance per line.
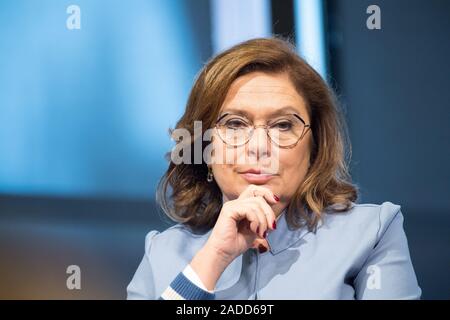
x=256, y=171
x=257, y=176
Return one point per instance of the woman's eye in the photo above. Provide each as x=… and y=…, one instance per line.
x=284, y=125
x=235, y=124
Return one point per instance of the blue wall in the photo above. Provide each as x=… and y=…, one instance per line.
x=86, y=112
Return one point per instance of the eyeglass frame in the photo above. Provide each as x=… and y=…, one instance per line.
x=266, y=128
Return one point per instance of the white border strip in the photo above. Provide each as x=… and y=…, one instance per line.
x=310, y=34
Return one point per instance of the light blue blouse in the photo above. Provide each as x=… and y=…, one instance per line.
x=359, y=254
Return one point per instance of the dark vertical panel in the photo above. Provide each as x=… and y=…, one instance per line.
x=200, y=20
x=283, y=18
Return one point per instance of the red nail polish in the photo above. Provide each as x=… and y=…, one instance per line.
x=274, y=225
x=276, y=198
x=262, y=249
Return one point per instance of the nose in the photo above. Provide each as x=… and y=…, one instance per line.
x=259, y=146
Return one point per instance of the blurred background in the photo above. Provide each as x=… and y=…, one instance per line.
x=88, y=93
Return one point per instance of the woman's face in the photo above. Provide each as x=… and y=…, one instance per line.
x=262, y=99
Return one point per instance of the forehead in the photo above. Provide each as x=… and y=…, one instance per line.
x=261, y=94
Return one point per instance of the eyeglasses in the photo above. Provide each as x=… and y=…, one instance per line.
x=285, y=131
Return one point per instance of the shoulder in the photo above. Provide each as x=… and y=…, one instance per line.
x=381, y=215
x=368, y=212
x=166, y=254
x=364, y=220
x=175, y=239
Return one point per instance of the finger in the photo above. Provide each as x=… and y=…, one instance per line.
x=267, y=194
x=257, y=209
x=261, y=217
x=268, y=212
x=254, y=191
x=248, y=212
x=255, y=224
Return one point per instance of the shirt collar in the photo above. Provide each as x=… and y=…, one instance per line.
x=283, y=236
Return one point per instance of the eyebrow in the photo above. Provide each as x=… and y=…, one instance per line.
x=281, y=111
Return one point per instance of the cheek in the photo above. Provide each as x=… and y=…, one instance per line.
x=228, y=180
x=294, y=164
x=222, y=162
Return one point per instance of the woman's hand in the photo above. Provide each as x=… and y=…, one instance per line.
x=243, y=220
x=240, y=222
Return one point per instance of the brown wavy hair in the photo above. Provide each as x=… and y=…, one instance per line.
x=197, y=203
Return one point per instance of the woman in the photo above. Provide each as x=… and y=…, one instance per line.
x=271, y=213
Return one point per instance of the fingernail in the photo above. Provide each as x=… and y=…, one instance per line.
x=262, y=249
x=276, y=198
x=265, y=234
x=274, y=225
